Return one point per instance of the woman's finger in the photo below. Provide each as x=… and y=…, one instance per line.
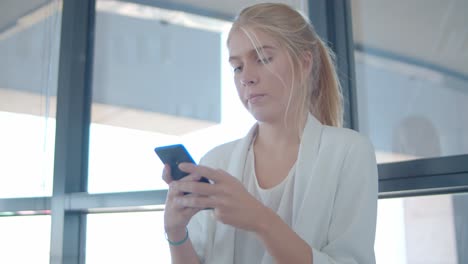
x=175, y=191
x=207, y=172
x=200, y=188
x=190, y=177
x=166, y=174
x=196, y=201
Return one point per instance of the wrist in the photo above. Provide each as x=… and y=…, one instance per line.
x=175, y=234
x=176, y=239
x=264, y=226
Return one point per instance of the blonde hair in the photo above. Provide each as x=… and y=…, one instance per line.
x=319, y=91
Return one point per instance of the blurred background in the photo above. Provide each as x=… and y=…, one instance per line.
x=89, y=88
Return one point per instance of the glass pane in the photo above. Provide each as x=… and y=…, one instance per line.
x=29, y=49
x=412, y=76
x=161, y=77
x=25, y=239
x=123, y=238
x=429, y=229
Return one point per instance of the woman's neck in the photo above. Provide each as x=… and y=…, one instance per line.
x=279, y=136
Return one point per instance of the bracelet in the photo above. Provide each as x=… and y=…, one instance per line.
x=178, y=243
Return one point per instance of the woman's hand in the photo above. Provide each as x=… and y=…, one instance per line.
x=232, y=203
x=177, y=216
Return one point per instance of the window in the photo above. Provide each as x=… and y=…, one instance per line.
x=423, y=229
x=29, y=40
x=161, y=78
x=411, y=78
x=131, y=238
x=108, y=176
x=25, y=239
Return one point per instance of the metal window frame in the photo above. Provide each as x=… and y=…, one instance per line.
x=72, y=130
x=429, y=176
x=70, y=201
x=332, y=22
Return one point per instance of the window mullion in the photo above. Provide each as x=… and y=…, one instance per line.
x=72, y=131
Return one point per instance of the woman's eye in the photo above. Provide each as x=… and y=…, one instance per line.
x=237, y=69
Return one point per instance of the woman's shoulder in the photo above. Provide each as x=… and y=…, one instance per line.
x=344, y=138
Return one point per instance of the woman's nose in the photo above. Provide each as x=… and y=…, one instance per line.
x=248, y=82
x=248, y=78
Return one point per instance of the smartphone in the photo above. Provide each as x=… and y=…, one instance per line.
x=174, y=155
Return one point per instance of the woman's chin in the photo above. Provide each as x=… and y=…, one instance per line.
x=263, y=116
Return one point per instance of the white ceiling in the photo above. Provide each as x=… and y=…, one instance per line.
x=432, y=32
x=12, y=10
x=229, y=7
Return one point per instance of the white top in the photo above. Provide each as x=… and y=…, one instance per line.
x=248, y=248
x=334, y=197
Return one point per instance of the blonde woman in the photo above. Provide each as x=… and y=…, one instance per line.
x=297, y=188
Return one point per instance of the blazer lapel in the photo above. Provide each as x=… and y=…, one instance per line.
x=224, y=239
x=308, y=150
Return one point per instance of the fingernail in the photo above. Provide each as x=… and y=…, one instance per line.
x=185, y=165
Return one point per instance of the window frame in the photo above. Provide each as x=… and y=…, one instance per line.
x=71, y=203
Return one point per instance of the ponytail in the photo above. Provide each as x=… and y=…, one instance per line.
x=326, y=100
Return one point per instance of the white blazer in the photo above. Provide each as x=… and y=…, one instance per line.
x=334, y=202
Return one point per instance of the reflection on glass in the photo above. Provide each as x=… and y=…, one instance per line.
x=161, y=77
x=123, y=238
x=29, y=41
x=430, y=229
x=25, y=239
x=412, y=77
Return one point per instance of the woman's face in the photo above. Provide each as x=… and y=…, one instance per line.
x=263, y=84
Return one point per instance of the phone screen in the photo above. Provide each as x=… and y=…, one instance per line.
x=174, y=155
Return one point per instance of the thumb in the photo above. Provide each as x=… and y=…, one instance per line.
x=166, y=174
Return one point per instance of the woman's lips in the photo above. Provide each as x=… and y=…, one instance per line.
x=256, y=98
